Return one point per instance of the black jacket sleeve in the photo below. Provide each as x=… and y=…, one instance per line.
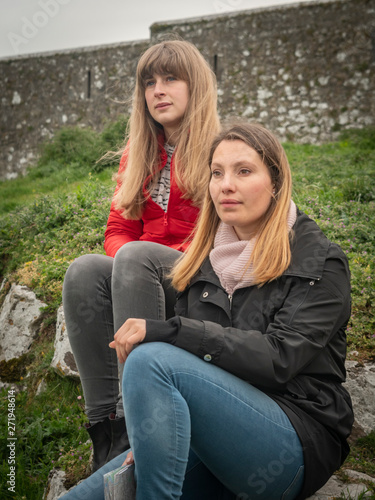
x=162, y=331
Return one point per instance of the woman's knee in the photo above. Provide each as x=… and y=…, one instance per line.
x=87, y=268
x=134, y=253
x=84, y=273
x=146, y=359
x=144, y=254
x=143, y=355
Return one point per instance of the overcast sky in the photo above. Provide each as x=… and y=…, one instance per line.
x=30, y=26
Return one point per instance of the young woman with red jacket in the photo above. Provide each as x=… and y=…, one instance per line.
x=160, y=187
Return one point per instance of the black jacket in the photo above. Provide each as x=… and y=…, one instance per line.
x=287, y=338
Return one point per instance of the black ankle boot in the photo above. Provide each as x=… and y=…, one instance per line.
x=119, y=436
x=100, y=434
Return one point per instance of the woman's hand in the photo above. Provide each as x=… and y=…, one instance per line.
x=129, y=459
x=132, y=332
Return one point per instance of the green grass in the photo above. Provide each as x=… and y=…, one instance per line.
x=59, y=211
x=334, y=184
x=63, y=164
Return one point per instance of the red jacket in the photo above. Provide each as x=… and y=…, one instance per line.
x=169, y=228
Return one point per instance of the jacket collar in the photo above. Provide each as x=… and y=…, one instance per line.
x=206, y=273
x=309, y=249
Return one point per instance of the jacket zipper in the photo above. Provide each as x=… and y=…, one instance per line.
x=230, y=297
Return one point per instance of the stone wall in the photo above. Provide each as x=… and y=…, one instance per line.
x=306, y=71
x=45, y=92
x=303, y=70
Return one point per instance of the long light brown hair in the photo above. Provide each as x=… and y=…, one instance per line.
x=271, y=254
x=199, y=125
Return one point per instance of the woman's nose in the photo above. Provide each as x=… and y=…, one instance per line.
x=227, y=184
x=159, y=89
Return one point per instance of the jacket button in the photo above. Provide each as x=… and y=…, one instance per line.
x=205, y=295
x=207, y=357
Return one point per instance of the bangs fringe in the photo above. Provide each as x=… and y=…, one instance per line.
x=163, y=62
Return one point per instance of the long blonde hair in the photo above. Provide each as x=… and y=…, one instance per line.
x=271, y=254
x=198, y=127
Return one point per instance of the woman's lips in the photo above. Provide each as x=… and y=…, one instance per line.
x=229, y=203
x=162, y=105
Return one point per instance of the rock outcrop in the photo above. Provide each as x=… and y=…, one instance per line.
x=63, y=360
x=360, y=383
x=20, y=318
x=55, y=485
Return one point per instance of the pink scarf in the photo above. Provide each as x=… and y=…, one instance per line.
x=230, y=255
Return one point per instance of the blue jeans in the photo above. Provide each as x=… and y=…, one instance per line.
x=99, y=294
x=199, y=432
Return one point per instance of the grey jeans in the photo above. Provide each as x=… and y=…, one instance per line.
x=99, y=294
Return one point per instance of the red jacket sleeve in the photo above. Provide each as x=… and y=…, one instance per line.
x=120, y=230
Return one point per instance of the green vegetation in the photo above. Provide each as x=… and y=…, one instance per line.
x=64, y=163
x=59, y=211
x=334, y=184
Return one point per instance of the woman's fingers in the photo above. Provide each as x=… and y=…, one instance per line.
x=131, y=333
x=129, y=459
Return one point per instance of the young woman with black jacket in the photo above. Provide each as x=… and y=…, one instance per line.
x=240, y=394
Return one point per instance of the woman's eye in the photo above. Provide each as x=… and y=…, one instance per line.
x=171, y=78
x=215, y=173
x=244, y=171
x=149, y=83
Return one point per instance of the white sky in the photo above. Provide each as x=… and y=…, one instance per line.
x=30, y=26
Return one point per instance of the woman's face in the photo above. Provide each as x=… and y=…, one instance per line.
x=167, y=98
x=240, y=187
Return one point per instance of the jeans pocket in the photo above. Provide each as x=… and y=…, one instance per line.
x=295, y=486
